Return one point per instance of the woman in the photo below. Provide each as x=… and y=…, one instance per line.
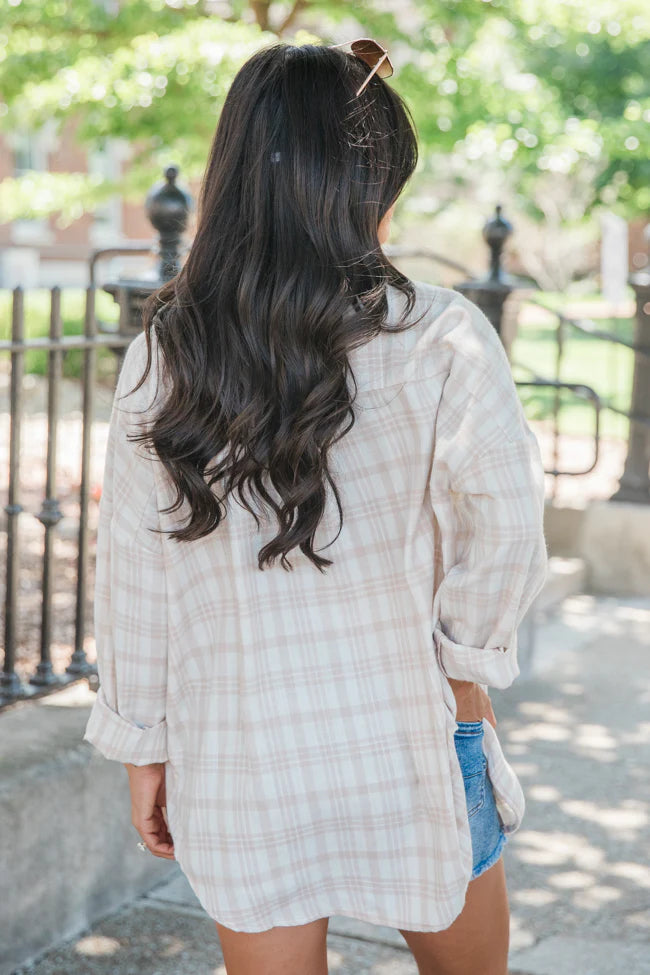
x=313, y=736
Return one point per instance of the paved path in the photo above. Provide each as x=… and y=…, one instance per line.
x=577, y=731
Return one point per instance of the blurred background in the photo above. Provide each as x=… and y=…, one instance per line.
x=532, y=195
x=538, y=105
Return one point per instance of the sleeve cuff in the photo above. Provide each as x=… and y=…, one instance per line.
x=495, y=666
x=122, y=740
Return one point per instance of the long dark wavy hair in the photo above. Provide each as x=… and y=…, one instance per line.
x=284, y=277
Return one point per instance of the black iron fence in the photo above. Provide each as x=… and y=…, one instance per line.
x=168, y=207
x=635, y=481
x=55, y=345
x=489, y=293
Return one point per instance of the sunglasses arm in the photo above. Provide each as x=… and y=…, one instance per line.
x=376, y=68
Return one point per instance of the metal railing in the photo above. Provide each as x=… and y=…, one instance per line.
x=168, y=206
x=56, y=344
x=94, y=336
x=489, y=293
x=585, y=326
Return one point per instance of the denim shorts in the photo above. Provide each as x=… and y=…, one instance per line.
x=485, y=826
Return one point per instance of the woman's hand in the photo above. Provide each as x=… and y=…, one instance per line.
x=472, y=703
x=148, y=797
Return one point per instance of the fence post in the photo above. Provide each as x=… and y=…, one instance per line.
x=168, y=207
x=10, y=684
x=490, y=293
x=635, y=481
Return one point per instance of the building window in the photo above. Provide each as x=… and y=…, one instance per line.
x=26, y=157
x=30, y=155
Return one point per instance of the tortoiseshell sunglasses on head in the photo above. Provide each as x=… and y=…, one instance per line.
x=374, y=55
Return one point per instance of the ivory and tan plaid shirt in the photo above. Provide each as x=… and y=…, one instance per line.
x=306, y=719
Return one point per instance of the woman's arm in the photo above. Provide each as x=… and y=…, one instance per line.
x=472, y=701
x=128, y=719
x=487, y=492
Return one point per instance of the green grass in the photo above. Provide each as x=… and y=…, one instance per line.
x=37, y=325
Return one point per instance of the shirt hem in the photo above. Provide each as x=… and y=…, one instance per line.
x=368, y=917
x=255, y=927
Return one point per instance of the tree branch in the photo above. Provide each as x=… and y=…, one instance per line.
x=261, y=10
x=297, y=8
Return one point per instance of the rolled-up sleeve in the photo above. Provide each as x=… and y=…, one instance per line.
x=487, y=492
x=127, y=722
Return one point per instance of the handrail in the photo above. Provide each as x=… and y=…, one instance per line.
x=137, y=247
x=587, y=325
x=580, y=389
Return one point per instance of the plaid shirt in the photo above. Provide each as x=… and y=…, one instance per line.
x=306, y=719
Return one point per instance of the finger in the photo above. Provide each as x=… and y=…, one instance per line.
x=163, y=852
x=157, y=826
x=159, y=848
x=156, y=835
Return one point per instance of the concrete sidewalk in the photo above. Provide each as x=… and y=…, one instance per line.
x=577, y=732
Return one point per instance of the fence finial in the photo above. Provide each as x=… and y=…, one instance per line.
x=168, y=207
x=495, y=233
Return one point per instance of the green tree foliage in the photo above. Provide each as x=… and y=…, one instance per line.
x=546, y=92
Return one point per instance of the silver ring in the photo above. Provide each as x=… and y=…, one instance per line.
x=142, y=846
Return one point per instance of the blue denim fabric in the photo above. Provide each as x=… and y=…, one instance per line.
x=488, y=838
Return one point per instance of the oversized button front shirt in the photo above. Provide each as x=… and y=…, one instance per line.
x=306, y=719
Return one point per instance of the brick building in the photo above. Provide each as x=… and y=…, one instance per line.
x=38, y=253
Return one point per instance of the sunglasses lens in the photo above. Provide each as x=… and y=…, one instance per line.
x=367, y=49
x=371, y=53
